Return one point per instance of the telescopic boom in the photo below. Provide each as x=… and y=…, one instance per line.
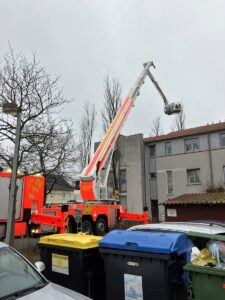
x=93, y=180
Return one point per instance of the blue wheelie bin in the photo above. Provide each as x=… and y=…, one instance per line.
x=145, y=265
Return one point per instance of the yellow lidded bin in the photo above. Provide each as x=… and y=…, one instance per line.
x=71, y=240
x=73, y=261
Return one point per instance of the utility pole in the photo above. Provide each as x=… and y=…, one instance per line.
x=12, y=109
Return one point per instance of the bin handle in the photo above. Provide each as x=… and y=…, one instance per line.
x=131, y=244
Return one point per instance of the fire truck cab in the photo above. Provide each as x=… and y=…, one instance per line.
x=29, y=199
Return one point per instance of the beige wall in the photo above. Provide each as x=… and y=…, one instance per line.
x=132, y=159
x=60, y=197
x=179, y=164
x=218, y=159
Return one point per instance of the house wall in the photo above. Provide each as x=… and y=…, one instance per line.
x=218, y=158
x=60, y=197
x=132, y=159
x=210, y=159
x=143, y=190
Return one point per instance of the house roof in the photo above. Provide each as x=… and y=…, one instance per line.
x=187, y=132
x=60, y=184
x=202, y=198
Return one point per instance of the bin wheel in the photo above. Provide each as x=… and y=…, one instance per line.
x=101, y=227
x=87, y=226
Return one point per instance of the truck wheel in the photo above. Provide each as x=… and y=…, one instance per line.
x=87, y=226
x=101, y=227
x=69, y=227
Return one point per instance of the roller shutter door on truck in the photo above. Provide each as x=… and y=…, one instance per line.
x=4, y=197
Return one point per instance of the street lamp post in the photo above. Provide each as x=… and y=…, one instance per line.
x=12, y=109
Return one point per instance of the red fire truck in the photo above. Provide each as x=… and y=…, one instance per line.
x=29, y=199
x=97, y=213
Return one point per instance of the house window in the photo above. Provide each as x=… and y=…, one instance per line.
x=152, y=150
x=110, y=179
x=123, y=200
x=224, y=174
x=153, y=175
x=222, y=139
x=170, y=182
x=193, y=176
x=191, y=145
x=168, y=148
x=123, y=181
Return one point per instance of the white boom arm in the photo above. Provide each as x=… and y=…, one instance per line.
x=94, y=177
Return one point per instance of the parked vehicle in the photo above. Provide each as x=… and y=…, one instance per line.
x=20, y=279
x=29, y=199
x=208, y=227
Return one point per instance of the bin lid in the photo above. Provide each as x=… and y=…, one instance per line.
x=204, y=270
x=151, y=242
x=71, y=240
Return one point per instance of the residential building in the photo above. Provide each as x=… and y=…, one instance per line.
x=61, y=190
x=159, y=168
x=183, y=162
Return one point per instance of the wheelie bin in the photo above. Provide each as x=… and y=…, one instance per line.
x=73, y=261
x=208, y=282
x=145, y=265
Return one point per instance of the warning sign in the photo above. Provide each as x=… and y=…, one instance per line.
x=133, y=287
x=60, y=263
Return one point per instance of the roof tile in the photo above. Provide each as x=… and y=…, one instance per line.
x=187, y=132
x=202, y=198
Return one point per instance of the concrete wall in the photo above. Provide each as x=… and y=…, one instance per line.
x=132, y=159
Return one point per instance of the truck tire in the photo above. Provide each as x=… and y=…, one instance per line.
x=87, y=226
x=69, y=227
x=101, y=227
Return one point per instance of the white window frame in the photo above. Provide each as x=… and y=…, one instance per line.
x=123, y=180
x=192, y=178
x=150, y=148
x=222, y=134
x=170, y=147
x=192, y=142
x=169, y=182
x=224, y=174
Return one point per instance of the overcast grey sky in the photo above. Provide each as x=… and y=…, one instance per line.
x=83, y=40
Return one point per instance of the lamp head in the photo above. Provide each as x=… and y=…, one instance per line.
x=10, y=108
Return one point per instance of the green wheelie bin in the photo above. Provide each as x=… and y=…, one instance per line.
x=208, y=283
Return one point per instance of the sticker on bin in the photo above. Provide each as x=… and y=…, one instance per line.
x=60, y=263
x=133, y=287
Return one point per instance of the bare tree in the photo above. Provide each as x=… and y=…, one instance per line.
x=53, y=152
x=86, y=131
x=179, y=120
x=112, y=103
x=26, y=83
x=156, y=128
